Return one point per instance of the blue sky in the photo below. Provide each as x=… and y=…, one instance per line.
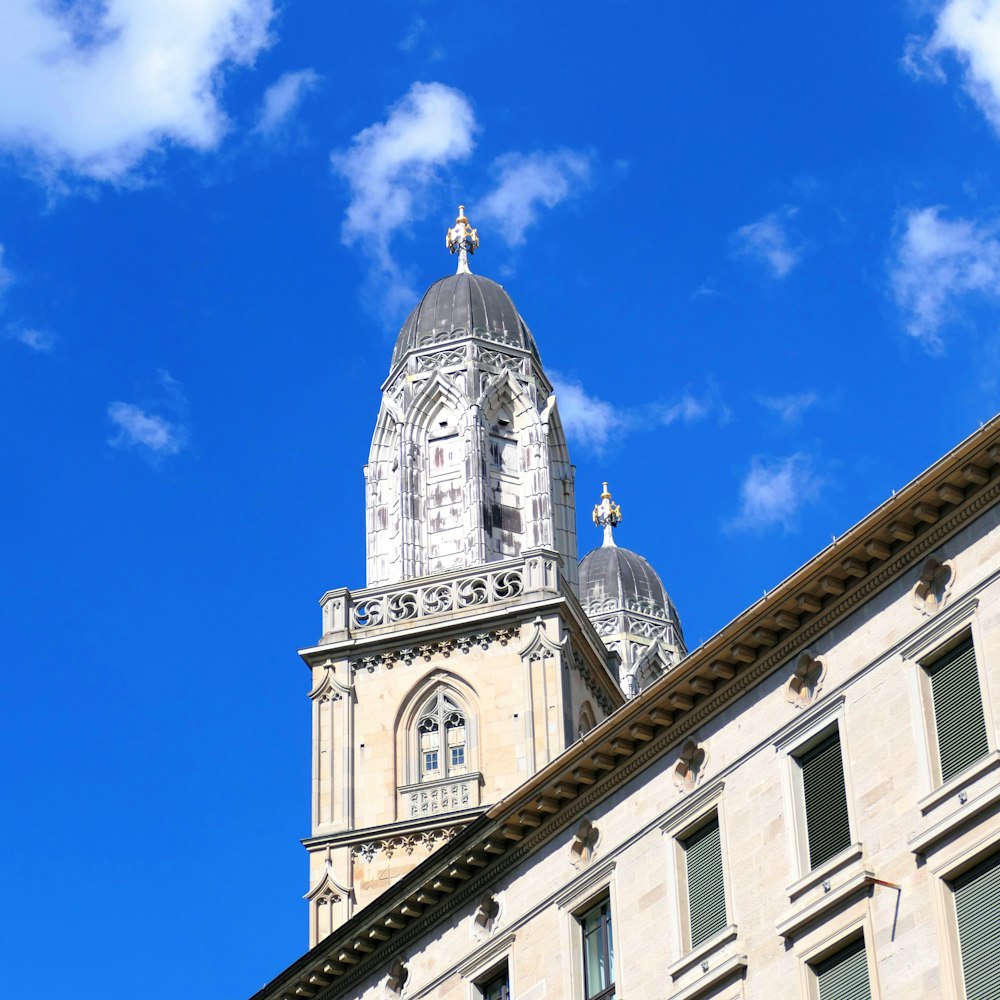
x=759, y=247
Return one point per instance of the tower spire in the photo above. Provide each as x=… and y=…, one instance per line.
x=607, y=514
x=463, y=240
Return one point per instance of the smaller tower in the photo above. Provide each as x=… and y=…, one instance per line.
x=625, y=599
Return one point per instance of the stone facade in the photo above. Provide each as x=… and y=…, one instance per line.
x=841, y=655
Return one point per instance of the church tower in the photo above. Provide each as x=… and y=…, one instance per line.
x=467, y=662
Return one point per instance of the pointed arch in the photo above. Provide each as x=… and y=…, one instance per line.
x=330, y=905
x=436, y=448
x=427, y=721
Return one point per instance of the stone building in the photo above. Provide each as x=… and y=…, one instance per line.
x=524, y=785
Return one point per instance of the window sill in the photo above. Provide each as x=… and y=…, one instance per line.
x=728, y=970
x=937, y=832
x=800, y=919
x=957, y=783
x=847, y=857
x=706, y=948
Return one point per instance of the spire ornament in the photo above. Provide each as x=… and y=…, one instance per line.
x=607, y=515
x=463, y=240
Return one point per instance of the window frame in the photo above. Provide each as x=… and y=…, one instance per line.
x=843, y=939
x=595, y=884
x=819, y=723
x=486, y=964
x=925, y=647
x=606, y=943
x=978, y=844
x=706, y=803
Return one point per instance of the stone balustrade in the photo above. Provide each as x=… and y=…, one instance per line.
x=465, y=592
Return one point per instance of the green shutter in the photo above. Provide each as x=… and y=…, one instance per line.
x=827, y=825
x=705, y=885
x=958, y=710
x=977, y=905
x=844, y=976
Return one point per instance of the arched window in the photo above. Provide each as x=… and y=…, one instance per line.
x=443, y=735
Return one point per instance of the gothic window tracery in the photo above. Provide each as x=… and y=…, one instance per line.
x=442, y=731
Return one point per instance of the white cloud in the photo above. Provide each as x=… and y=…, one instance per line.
x=774, y=491
x=970, y=31
x=391, y=165
x=92, y=87
x=791, y=407
x=6, y=276
x=528, y=183
x=40, y=341
x=283, y=97
x=596, y=423
x=936, y=263
x=769, y=242
x=152, y=434
x=417, y=28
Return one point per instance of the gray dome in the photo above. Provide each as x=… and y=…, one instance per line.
x=463, y=304
x=613, y=579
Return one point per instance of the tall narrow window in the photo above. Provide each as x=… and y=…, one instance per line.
x=959, y=722
x=844, y=975
x=977, y=907
x=706, y=890
x=442, y=731
x=598, y=953
x=497, y=986
x=824, y=795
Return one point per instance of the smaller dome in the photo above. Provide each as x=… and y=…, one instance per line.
x=463, y=304
x=612, y=579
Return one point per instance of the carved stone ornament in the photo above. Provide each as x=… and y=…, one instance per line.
x=396, y=980
x=424, y=841
x=937, y=578
x=406, y=655
x=487, y=916
x=690, y=766
x=804, y=685
x=584, y=844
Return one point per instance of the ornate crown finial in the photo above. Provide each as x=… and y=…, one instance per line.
x=607, y=515
x=463, y=240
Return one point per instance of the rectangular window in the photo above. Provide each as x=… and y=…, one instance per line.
x=959, y=722
x=497, y=987
x=705, y=885
x=977, y=907
x=430, y=761
x=457, y=756
x=844, y=975
x=598, y=953
x=824, y=795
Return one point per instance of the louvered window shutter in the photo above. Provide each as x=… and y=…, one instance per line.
x=958, y=711
x=977, y=904
x=844, y=976
x=705, y=885
x=827, y=824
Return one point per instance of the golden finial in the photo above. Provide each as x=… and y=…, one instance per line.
x=462, y=239
x=607, y=514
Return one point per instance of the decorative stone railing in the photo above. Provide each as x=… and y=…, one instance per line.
x=459, y=594
x=432, y=797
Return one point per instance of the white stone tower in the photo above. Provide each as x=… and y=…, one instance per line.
x=467, y=663
x=468, y=462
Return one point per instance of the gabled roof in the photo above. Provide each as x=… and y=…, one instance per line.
x=851, y=570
